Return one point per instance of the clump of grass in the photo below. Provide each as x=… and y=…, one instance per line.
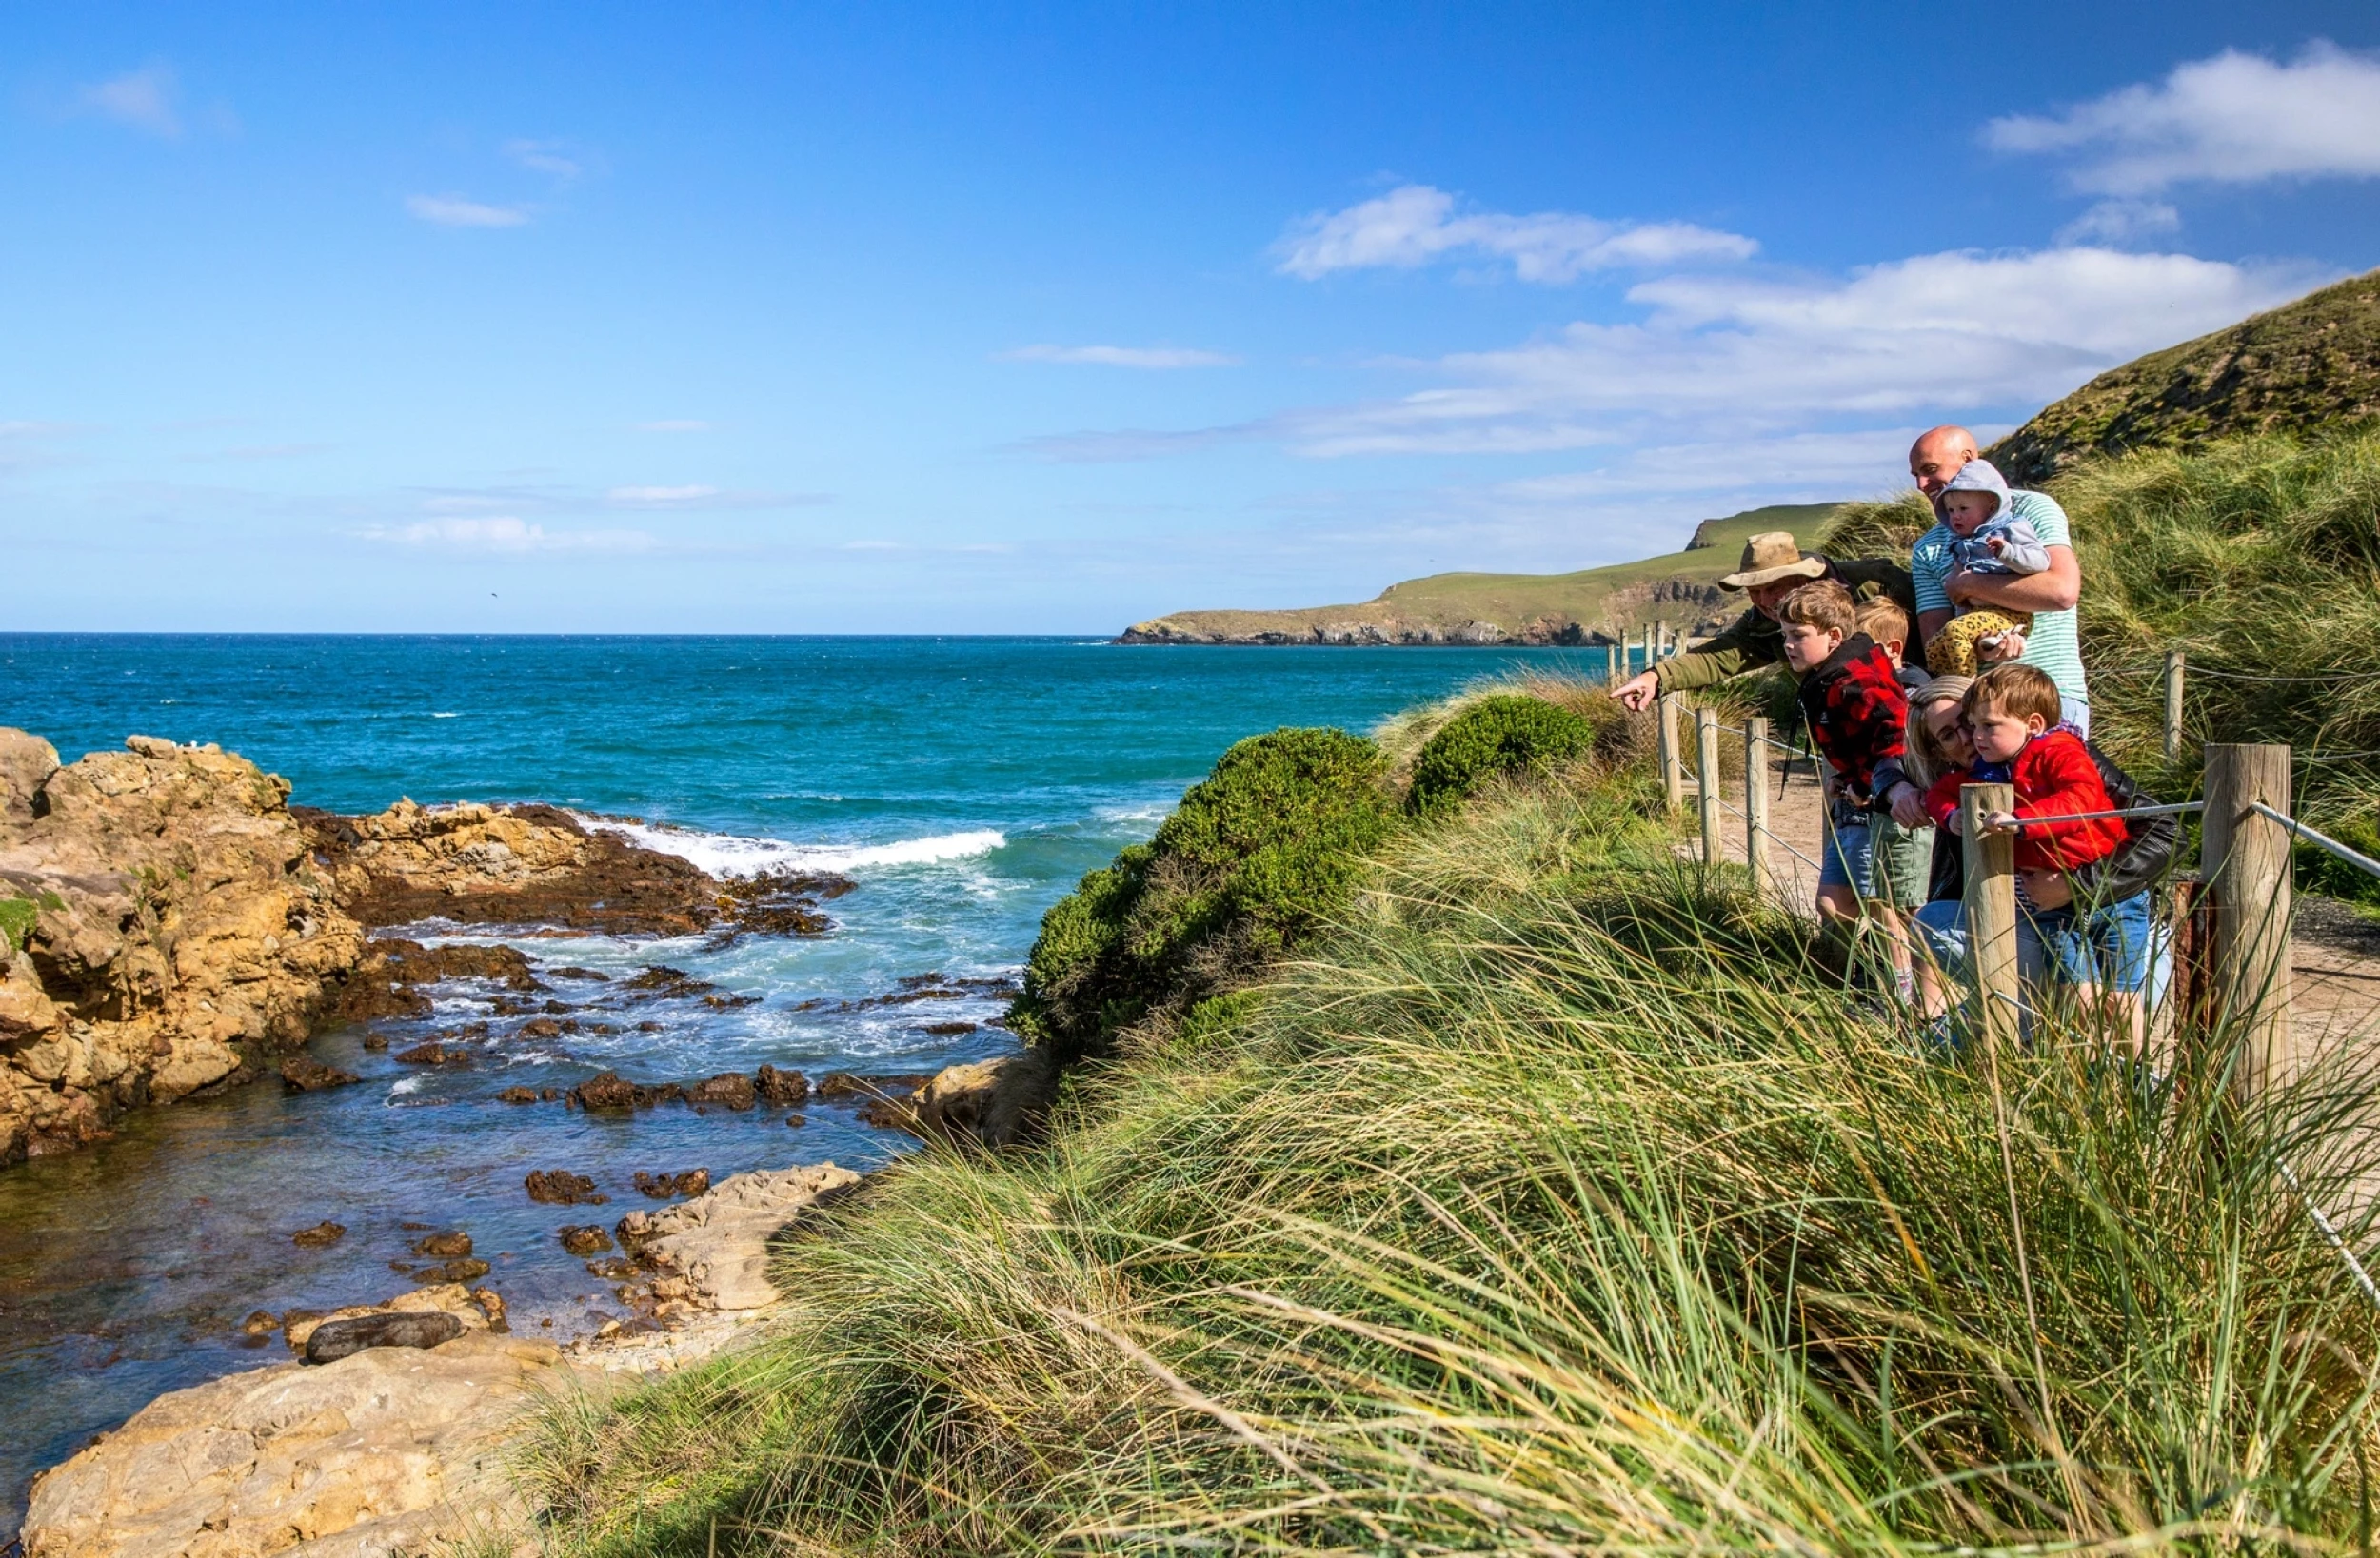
x=1501, y=731
x=1553, y=1202
x=1887, y=526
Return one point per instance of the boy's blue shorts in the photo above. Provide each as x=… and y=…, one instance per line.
x=2107, y=946
x=1847, y=856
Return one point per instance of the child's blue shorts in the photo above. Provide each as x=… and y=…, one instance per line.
x=2107, y=946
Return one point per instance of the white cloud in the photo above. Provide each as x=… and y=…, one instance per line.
x=506, y=534
x=2120, y=222
x=553, y=158
x=1722, y=357
x=1124, y=357
x=659, y=497
x=678, y=424
x=2233, y=119
x=455, y=212
x=1416, y=224
x=1938, y=333
x=142, y=98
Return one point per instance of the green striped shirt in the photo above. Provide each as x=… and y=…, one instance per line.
x=2052, y=645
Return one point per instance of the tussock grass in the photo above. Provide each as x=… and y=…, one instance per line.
x=1554, y=1203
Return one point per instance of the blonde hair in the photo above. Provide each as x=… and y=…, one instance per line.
x=1922, y=757
x=1884, y=620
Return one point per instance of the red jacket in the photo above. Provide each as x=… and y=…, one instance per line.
x=2053, y=776
x=1858, y=714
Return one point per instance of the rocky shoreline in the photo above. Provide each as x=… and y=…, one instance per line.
x=175, y=928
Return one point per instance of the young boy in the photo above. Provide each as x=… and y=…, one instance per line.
x=1991, y=540
x=2013, y=714
x=1902, y=857
x=1856, y=713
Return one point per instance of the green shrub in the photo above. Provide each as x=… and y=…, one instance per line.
x=1496, y=734
x=1257, y=855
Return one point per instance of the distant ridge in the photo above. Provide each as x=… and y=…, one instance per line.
x=2305, y=367
x=1594, y=606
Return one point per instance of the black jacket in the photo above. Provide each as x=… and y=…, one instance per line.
x=2143, y=861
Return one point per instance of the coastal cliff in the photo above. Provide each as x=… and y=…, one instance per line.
x=1593, y=606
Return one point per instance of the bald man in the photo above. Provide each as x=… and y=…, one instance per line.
x=1939, y=584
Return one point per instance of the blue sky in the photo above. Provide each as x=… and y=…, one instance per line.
x=1006, y=318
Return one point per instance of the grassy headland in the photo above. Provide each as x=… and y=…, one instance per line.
x=1679, y=587
x=1545, y=1196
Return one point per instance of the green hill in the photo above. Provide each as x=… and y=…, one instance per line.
x=2308, y=367
x=1592, y=605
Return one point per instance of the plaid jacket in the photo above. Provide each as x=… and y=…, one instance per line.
x=1858, y=714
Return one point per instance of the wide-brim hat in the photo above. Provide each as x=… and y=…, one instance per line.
x=1770, y=557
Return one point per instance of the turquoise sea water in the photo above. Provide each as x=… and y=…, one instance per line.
x=964, y=783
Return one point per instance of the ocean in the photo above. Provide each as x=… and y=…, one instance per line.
x=964, y=783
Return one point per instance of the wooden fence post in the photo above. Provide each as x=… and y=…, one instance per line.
x=1707, y=778
x=1613, y=675
x=1757, y=805
x=2172, y=704
x=1665, y=739
x=2245, y=857
x=1644, y=639
x=1660, y=637
x=1991, y=909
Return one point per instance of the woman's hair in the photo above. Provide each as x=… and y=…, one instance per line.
x=1922, y=757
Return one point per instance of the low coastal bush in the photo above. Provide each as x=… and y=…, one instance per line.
x=1552, y=1202
x=1502, y=732
x=1263, y=850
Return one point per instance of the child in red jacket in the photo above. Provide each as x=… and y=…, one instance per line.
x=1857, y=711
x=2012, y=712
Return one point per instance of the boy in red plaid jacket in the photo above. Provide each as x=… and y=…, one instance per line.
x=1857, y=713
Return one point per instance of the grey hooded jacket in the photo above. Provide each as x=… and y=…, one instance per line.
x=2019, y=549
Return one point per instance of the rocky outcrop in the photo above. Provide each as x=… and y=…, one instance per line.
x=712, y=1251
x=513, y=865
x=988, y=1103
x=167, y=930
x=385, y=1450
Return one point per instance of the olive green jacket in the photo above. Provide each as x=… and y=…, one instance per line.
x=1753, y=640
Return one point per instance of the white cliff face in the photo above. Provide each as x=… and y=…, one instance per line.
x=165, y=926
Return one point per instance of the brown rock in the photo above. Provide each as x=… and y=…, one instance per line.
x=321, y=1236
x=176, y=926
x=470, y=1269
x=780, y=1088
x=433, y=1054
x=304, y=1073
x=989, y=1104
x=559, y=1187
x=444, y=1246
x=517, y=1096
x=336, y=1339
x=260, y=1323
x=541, y=1028
x=661, y=1187
x=507, y=865
x=605, y=1090
x=583, y=1239
x=732, y=1088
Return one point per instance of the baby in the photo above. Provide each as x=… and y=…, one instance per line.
x=1988, y=538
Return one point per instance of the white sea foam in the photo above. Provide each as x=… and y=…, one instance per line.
x=731, y=854
x=445, y=716
x=405, y=1085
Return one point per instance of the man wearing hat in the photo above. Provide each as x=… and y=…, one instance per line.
x=1773, y=568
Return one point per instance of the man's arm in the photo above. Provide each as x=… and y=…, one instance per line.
x=2055, y=589
x=1720, y=658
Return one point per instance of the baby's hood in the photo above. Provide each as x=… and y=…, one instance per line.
x=1979, y=476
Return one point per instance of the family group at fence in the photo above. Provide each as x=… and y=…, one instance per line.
x=1965, y=668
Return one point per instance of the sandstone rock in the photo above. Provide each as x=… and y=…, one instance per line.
x=988, y=1103
x=336, y=1339
x=507, y=865
x=174, y=925
x=321, y=1236
x=732, y=1088
x=583, y=1239
x=780, y=1088
x=718, y=1243
x=304, y=1073
x=559, y=1187
x=451, y=1298
x=387, y=1450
